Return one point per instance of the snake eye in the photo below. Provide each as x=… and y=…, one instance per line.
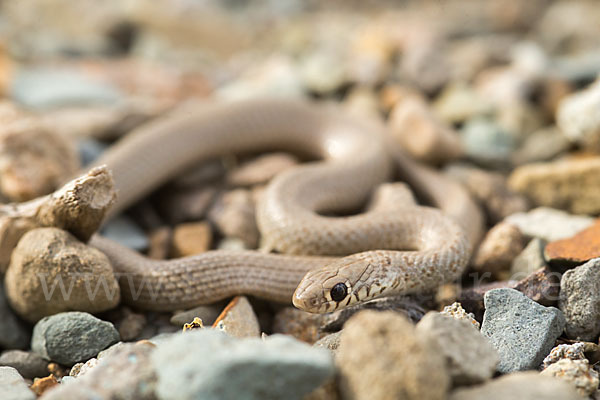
x=339, y=292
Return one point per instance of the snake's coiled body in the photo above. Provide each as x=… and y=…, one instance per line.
x=355, y=160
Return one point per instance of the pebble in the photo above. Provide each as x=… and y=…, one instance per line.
x=490, y=189
x=470, y=358
x=187, y=204
x=549, y=223
x=570, y=184
x=522, y=331
x=130, y=324
x=456, y=311
x=41, y=385
x=575, y=250
x=123, y=230
x=14, y=334
x=575, y=351
x=471, y=298
x=541, y=286
x=45, y=88
x=576, y=372
x=520, y=385
x=12, y=385
x=530, y=259
x=191, y=238
x=160, y=243
x=577, y=117
x=303, y=326
x=125, y=374
x=260, y=170
x=71, y=337
x=542, y=145
x=208, y=314
x=322, y=72
x=275, y=368
x=29, y=364
x=234, y=216
x=580, y=301
x=499, y=247
x=238, y=319
x=459, y=103
x=51, y=272
x=330, y=342
x=486, y=143
x=383, y=356
x=417, y=129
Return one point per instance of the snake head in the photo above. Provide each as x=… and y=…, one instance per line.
x=336, y=286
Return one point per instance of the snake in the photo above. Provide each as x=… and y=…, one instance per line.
x=322, y=255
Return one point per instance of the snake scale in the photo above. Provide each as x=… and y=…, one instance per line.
x=376, y=253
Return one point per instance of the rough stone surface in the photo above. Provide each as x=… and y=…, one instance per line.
x=549, y=223
x=191, y=238
x=456, y=311
x=29, y=364
x=71, y=337
x=274, y=368
x=331, y=342
x=12, y=385
x=577, y=117
x=530, y=259
x=541, y=286
x=570, y=184
x=51, y=272
x=522, y=331
x=41, y=385
x=580, y=300
x=499, y=248
x=470, y=358
x=14, y=334
x=300, y=324
x=238, y=319
x=261, y=169
x=577, y=249
x=382, y=356
x=576, y=372
x=471, y=298
x=575, y=351
x=520, y=385
x=125, y=374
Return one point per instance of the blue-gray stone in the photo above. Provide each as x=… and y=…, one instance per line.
x=124, y=230
x=206, y=364
x=90, y=149
x=486, y=142
x=521, y=330
x=12, y=385
x=71, y=337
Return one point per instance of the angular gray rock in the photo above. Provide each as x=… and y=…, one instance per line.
x=580, y=301
x=529, y=260
x=12, y=385
x=210, y=365
x=29, y=364
x=71, y=337
x=470, y=357
x=14, y=334
x=522, y=331
x=520, y=385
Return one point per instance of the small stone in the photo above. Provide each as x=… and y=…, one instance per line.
x=362, y=101
x=576, y=372
x=542, y=145
x=530, y=259
x=51, y=272
x=234, y=215
x=81, y=369
x=233, y=244
x=331, y=342
x=459, y=103
x=569, y=184
x=29, y=364
x=261, y=170
x=195, y=324
x=250, y=368
x=382, y=356
x=522, y=331
x=575, y=351
x=578, y=117
x=490, y=190
x=125, y=374
x=191, y=238
x=499, y=248
x=549, y=223
x=12, y=385
x=125, y=231
x=322, y=71
x=41, y=385
x=520, y=385
x=541, y=286
x=456, y=311
x=71, y=337
x=470, y=358
x=238, y=319
x=160, y=243
x=179, y=205
x=471, y=298
x=580, y=300
x=14, y=334
x=208, y=314
x=130, y=325
x=577, y=249
x=486, y=143
x=300, y=324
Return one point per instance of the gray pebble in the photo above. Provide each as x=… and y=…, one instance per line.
x=330, y=342
x=529, y=260
x=14, y=334
x=12, y=385
x=29, y=364
x=522, y=331
x=549, y=223
x=486, y=143
x=125, y=231
x=580, y=300
x=210, y=365
x=71, y=337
